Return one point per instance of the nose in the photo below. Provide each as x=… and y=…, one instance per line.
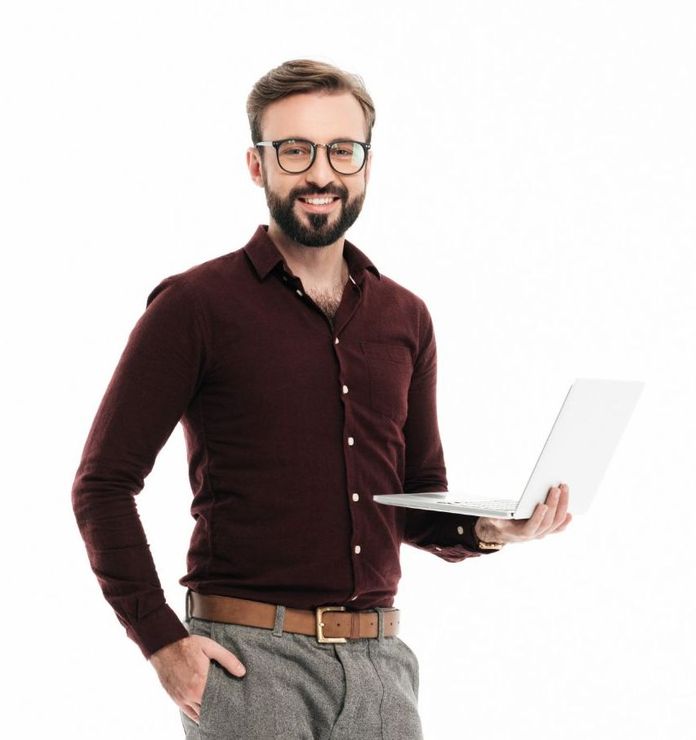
x=320, y=173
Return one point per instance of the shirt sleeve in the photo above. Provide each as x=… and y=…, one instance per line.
x=155, y=379
x=449, y=536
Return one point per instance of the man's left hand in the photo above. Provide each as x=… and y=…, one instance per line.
x=550, y=517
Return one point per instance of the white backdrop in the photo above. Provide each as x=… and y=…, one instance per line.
x=534, y=181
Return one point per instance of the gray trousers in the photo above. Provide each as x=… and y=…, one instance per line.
x=296, y=688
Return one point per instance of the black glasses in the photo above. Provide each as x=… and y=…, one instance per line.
x=297, y=155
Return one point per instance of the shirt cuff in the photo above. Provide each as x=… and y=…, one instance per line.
x=456, y=531
x=158, y=629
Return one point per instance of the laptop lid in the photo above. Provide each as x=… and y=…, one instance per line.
x=577, y=451
x=581, y=442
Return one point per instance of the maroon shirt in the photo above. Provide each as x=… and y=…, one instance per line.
x=292, y=423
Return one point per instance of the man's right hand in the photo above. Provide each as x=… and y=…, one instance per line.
x=183, y=666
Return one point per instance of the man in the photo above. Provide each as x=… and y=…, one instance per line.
x=305, y=383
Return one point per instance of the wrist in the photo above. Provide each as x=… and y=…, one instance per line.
x=487, y=532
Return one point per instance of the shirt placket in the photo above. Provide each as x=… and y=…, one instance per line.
x=352, y=441
x=347, y=308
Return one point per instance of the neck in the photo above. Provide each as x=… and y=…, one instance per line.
x=322, y=266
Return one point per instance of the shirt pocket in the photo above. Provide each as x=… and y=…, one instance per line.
x=389, y=368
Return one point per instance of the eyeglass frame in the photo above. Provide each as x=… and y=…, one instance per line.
x=277, y=142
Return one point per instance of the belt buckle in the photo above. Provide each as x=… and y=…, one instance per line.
x=319, y=613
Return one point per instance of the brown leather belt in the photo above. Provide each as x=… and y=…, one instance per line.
x=326, y=623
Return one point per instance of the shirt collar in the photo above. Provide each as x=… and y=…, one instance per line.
x=265, y=256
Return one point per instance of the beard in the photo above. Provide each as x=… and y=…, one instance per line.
x=319, y=232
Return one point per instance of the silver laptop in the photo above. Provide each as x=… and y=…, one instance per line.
x=578, y=450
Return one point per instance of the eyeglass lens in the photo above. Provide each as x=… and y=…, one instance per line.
x=347, y=157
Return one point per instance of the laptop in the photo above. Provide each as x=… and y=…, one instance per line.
x=578, y=450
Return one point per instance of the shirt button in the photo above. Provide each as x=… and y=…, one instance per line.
x=356, y=497
x=460, y=530
x=357, y=549
x=336, y=340
x=345, y=389
x=299, y=292
x=351, y=441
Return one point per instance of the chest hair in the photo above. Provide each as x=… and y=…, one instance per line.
x=327, y=300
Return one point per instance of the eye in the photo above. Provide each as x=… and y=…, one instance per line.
x=294, y=149
x=345, y=150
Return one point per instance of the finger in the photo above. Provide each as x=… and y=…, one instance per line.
x=533, y=523
x=191, y=712
x=224, y=657
x=565, y=523
x=561, y=508
x=551, y=505
x=553, y=496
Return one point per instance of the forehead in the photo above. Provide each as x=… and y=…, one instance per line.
x=319, y=117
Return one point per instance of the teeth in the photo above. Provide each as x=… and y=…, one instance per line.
x=318, y=201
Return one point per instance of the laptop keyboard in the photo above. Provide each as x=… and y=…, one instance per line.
x=505, y=504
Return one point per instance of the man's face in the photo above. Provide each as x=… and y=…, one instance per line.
x=320, y=118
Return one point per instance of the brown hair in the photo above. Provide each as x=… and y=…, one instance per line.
x=304, y=76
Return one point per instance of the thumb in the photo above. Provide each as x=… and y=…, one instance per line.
x=215, y=651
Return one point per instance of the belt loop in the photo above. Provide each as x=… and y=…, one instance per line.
x=279, y=620
x=380, y=623
x=188, y=606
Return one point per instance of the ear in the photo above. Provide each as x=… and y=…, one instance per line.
x=253, y=158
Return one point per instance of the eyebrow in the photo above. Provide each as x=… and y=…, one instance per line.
x=305, y=138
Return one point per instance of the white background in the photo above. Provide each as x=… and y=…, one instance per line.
x=534, y=181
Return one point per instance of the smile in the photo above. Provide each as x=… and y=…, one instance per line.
x=319, y=201
x=319, y=204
